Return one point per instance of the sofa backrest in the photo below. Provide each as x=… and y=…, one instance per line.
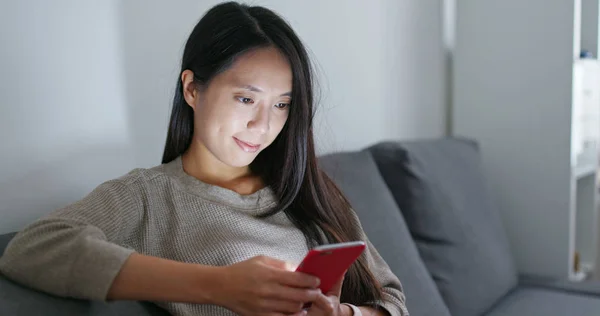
x=358, y=177
x=441, y=191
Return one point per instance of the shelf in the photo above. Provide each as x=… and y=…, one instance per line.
x=578, y=276
x=584, y=274
x=583, y=171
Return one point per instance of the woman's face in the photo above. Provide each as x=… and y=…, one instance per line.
x=243, y=109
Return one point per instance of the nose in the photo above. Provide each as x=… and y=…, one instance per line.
x=259, y=123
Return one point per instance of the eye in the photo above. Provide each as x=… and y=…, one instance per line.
x=245, y=100
x=282, y=105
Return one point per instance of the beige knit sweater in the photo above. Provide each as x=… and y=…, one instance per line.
x=77, y=251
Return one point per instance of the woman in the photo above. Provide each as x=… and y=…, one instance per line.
x=239, y=186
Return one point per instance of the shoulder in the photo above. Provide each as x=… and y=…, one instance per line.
x=138, y=181
x=142, y=175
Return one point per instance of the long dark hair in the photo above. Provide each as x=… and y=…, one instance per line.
x=308, y=197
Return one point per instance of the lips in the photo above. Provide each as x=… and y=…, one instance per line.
x=247, y=147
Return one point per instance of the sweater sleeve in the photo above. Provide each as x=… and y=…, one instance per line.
x=74, y=251
x=394, y=301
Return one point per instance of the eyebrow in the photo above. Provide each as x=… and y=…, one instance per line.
x=255, y=89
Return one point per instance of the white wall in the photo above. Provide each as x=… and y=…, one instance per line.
x=382, y=67
x=63, y=120
x=590, y=28
x=86, y=88
x=518, y=107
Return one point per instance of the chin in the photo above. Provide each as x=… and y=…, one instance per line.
x=240, y=161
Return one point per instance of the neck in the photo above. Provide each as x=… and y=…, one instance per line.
x=199, y=163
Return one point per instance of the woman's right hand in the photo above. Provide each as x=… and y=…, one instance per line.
x=264, y=286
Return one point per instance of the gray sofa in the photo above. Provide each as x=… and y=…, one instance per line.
x=426, y=207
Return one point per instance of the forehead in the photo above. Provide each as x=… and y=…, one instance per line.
x=265, y=68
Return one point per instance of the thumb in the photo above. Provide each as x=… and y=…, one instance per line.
x=279, y=264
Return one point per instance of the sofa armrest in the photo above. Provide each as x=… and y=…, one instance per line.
x=19, y=300
x=590, y=288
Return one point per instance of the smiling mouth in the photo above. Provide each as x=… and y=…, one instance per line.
x=247, y=147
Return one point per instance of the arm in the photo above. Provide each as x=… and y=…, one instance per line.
x=155, y=279
x=75, y=251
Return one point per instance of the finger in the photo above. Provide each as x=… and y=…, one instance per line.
x=297, y=279
x=280, y=306
x=325, y=304
x=301, y=313
x=275, y=263
x=296, y=294
x=290, y=266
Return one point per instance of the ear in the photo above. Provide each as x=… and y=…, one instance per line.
x=190, y=91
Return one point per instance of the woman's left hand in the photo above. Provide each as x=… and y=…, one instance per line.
x=328, y=304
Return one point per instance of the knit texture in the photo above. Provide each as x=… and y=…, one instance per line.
x=78, y=250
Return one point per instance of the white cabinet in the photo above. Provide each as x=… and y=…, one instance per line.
x=585, y=140
x=586, y=112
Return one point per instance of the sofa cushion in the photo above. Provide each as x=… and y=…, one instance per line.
x=440, y=189
x=4, y=239
x=543, y=302
x=357, y=176
x=587, y=287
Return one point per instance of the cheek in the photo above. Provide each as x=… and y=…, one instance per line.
x=204, y=122
x=219, y=118
x=236, y=120
x=277, y=124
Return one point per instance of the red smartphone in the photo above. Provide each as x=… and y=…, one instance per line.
x=329, y=262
